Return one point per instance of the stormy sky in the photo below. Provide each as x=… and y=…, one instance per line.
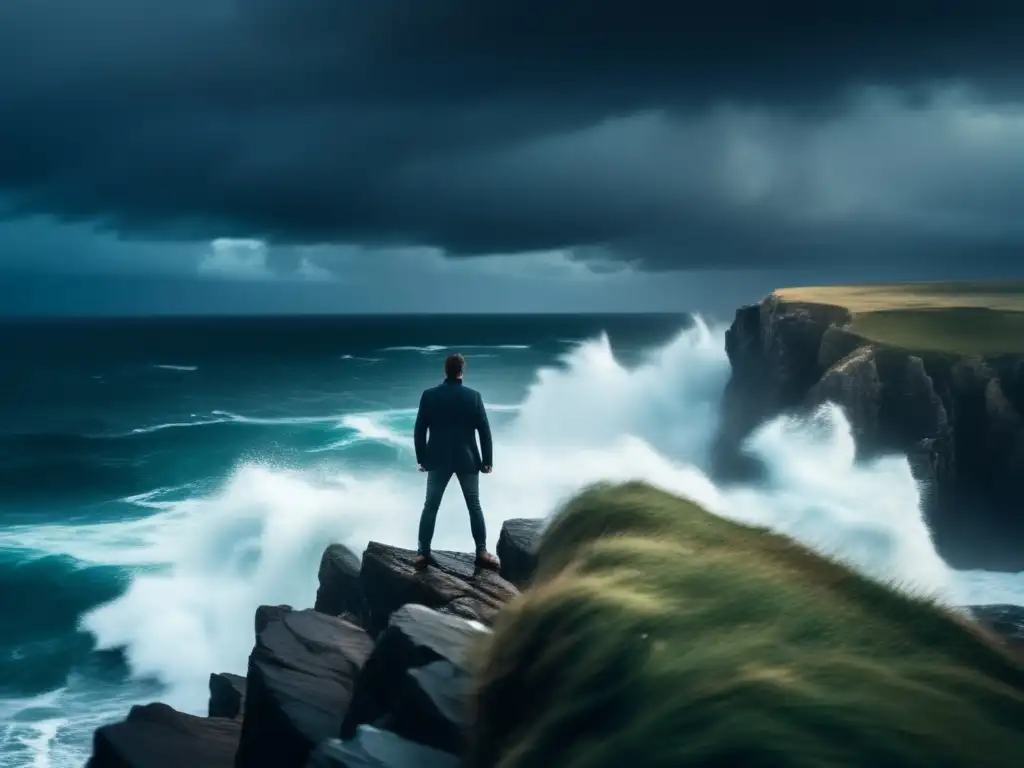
x=475, y=155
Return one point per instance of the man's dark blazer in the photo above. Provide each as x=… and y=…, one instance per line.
x=452, y=413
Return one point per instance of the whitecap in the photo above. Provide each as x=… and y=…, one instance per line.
x=257, y=539
x=177, y=425
x=273, y=421
x=224, y=417
x=426, y=350
x=431, y=349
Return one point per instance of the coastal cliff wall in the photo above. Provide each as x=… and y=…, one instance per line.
x=958, y=419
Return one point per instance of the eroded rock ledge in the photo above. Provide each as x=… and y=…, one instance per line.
x=958, y=419
x=373, y=677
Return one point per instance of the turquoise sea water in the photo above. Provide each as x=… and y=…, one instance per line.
x=111, y=429
x=161, y=478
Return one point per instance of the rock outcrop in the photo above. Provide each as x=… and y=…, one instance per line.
x=156, y=736
x=416, y=677
x=958, y=419
x=266, y=614
x=227, y=695
x=341, y=591
x=517, y=549
x=301, y=676
x=455, y=585
x=401, y=699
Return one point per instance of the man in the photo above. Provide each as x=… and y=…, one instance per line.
x=452, y=413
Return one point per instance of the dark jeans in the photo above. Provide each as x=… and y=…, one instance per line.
x=436, y=483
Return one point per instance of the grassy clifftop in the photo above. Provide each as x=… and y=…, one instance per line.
x=656, y=634
x=967, y=318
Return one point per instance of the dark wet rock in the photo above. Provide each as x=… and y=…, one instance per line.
x=1006, y=621
x=432, y=706
x=301, y=676
x=517, y=547
x=959, y=420
x=467, y=608
x=375, y=748
x=266, y=614
x=774, y=353
x=893, y=407
x=156, y=736
x=341, y=591
x=455, y=583
x=227, y=695
x=416, y=637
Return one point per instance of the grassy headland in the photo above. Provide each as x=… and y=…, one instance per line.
x=967, y=318
x=658, y=635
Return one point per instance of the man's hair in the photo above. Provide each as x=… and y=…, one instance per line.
x=454, y=365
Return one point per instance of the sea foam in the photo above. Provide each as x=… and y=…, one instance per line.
x=258, y=538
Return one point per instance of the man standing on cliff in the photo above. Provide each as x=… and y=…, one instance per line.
x=452, y=414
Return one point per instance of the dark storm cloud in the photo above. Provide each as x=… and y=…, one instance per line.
x=670, y=133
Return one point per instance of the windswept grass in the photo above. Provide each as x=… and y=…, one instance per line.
x=656, y=634
x=966, y=318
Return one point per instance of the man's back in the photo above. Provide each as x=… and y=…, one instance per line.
x=449, y=416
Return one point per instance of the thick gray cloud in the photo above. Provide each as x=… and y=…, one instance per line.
x=668, y=134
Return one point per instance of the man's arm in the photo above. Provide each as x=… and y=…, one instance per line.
x=484, y=428
x=419, y=435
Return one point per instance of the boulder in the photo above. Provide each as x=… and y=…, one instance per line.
x=421, y=704
x=156, y=736
x=517, y=546
x=375, y=748
x=341, y=591
x=301, y=675
x=266, y=614
x=432, y=706
x=455, y=583
x=227, y=695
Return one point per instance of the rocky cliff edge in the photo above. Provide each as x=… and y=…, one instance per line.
x=958, y=418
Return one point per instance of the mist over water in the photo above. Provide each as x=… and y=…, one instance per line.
x=211, y=556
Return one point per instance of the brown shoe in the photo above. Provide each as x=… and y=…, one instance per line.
x=485, y=559
x=421, y=562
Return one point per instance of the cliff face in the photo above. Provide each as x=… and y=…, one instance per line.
x=958, y=419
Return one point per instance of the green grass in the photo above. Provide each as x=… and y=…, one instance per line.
x=967, y=318
x=658, y=635
x=958, y=330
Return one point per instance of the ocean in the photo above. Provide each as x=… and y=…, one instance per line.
x=162, y=477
